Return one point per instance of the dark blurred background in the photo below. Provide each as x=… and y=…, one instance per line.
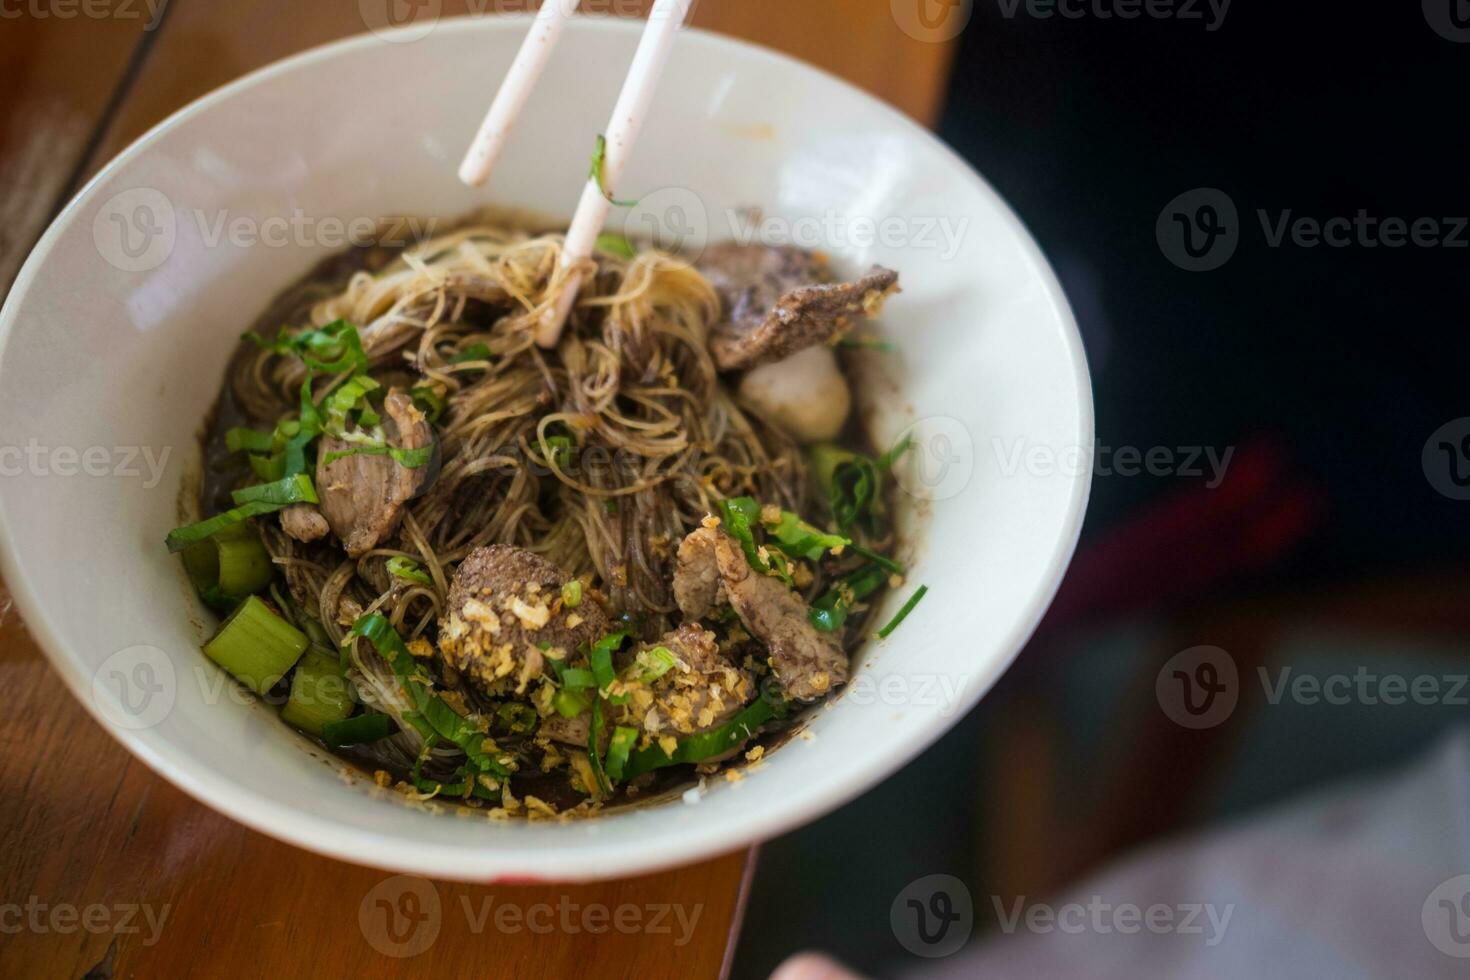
x=1327, y=548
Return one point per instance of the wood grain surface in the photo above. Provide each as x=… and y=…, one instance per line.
x=107, y=870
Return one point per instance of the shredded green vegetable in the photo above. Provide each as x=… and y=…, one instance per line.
x=359, y=730
x=603, y=787
x=472, y=354
x=408, y=570
x=697, y=748
x=434, y=715
x=908, y=607
x=616, y=245
x=618, y=748
x=599, y=160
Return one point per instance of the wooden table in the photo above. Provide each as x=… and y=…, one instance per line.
x=106, y=867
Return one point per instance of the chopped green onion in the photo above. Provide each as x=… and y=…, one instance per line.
x=697, y=748
x=578, y=679
x=270, y=468
x=738, y=515
x=656, y=662
x=359, y=730
x=320, y=694
x=256, y=645
x=618, y=748
x=616, y=245
x=602, y=668
x=568, y=703
x=593, y=729
x=519, y=718
x=888, y=564
x=908, y=607
x=434, y=715
x=471, y=354
x=571, y=594
x=852, y=483
x=408, y=570
x=886, y=461
x=244, y=565
x=801, y=540
x=428, y=399
x=329, y=350
x=249, y=440
x=410, y=459
x=182, y=537
x=348, y=405
x=599, y=158
x=558, y=450
x=201, y=559
x=296, y=489
x=831, y=609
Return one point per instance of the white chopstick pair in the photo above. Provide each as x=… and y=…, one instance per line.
x=622, y=131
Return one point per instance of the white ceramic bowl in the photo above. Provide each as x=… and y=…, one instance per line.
x=117, y=331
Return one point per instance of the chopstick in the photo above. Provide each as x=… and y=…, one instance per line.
x=510, y=101
x=622, y=132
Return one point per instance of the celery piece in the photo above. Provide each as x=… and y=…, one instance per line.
x=256, y=645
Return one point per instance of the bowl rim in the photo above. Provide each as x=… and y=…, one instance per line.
x=299, y=827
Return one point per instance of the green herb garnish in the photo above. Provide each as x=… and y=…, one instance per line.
x=908, y=607
x=599, y=160
x=408, y=570
x=616, y=245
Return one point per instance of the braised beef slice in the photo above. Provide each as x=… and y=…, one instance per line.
x=807, y=662
x=362, y=495
x=780, y=300
x=304, y=523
